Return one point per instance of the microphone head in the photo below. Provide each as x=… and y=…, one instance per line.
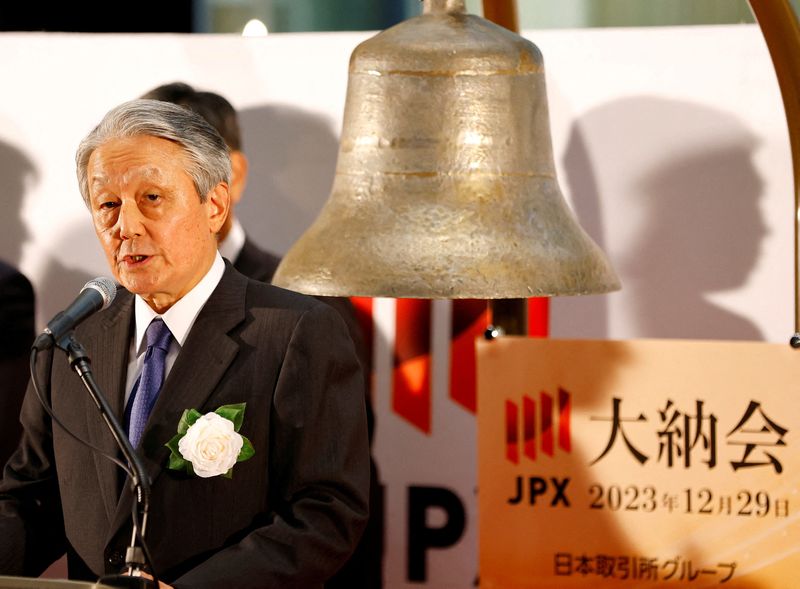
x=105, y=286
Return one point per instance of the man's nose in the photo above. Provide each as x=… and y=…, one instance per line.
x=130, y=220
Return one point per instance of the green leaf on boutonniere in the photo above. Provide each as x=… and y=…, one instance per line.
x=187, y=420
x=247, y=451
x=234, y=413
x=173, y=444
x=229, y=474
x=176, y=461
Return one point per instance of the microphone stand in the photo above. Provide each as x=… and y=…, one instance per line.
x=135, y=555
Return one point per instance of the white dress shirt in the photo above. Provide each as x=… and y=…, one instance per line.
x=179, y=318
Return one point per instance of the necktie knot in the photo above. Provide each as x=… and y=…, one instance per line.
x=158, y=335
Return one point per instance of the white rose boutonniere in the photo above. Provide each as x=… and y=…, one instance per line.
x=210, y=445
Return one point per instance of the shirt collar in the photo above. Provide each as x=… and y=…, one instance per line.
x=181, y=316
x=233, y=243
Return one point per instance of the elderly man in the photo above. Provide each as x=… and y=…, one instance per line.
x=364, y=569
x=190, y=333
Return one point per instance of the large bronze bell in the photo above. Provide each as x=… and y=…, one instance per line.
x=445, y=184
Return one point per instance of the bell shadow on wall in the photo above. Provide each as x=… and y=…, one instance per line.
x=292, y=157
x=683, y=177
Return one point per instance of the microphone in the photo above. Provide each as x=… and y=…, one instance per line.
x=96, y=294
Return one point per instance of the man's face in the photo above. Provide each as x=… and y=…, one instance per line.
x=158, y=237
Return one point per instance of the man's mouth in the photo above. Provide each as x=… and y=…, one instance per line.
x=135, y=259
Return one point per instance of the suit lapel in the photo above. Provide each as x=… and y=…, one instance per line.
x=109, y=349
x=206, y=354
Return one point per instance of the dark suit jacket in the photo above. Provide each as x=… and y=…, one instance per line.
x=260, y=265
x=291, y=514
x=16, y=337
x=364, y=569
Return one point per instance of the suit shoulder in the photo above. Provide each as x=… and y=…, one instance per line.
x=262, y=294
x=281, y=313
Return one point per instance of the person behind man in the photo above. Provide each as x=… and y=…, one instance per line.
x=190, y=332
x=364, y=569
x=16, y=337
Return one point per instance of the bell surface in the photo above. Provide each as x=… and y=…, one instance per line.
x=445, y=184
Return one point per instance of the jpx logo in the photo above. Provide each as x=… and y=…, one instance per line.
x=537, y=426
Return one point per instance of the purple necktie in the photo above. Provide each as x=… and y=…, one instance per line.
x=145, y=391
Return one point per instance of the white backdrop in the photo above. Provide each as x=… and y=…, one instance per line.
x=671, y=145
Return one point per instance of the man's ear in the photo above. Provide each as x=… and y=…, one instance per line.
x=218, y=205
x=239, y=167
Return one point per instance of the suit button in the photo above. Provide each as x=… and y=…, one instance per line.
x=116, y=558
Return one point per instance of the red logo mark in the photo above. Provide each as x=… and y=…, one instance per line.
x=543, y=438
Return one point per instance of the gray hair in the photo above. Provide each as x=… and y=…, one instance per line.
x=207, y=155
